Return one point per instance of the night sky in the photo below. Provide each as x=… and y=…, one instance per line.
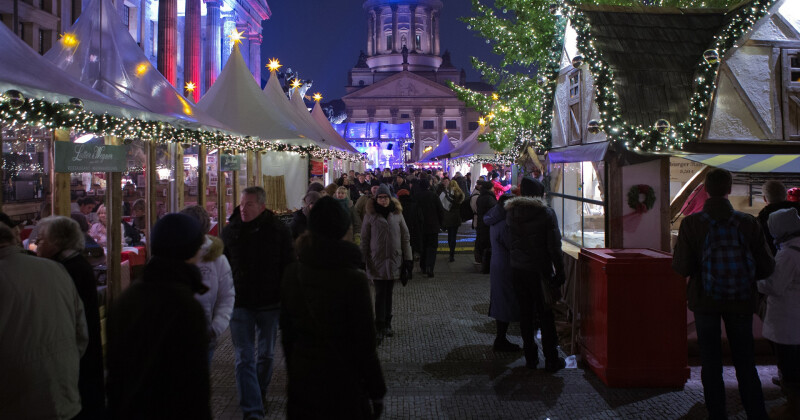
x=321, y=40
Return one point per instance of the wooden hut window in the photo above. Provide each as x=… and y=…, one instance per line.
x=575, y=132
x=791, y=94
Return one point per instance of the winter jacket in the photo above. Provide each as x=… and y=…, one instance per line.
x=783, y=289
x=258, y=252
x=687, y=257
x=91, y=378
x=299, y=223
x=385, y=242
x=763, y=217
x=362, y=203
x=535, y=238
x=355, y=221
x=452, y=217
x=218, y=301
x=431, y=209
x=483, y=204
x=462, y=183
x=499, y=189
x=42, y=337
x=158, y=346
x=328, y=332
x=503, y=304
x=413, y=217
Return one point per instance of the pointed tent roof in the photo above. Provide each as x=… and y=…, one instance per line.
x=471, y=146
x=24, y=70
x=440, y=151
x=109, y=60
x=325, y=129
x=280, y=104
x=236, y=99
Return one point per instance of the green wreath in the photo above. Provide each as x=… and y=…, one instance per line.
x=649, y=198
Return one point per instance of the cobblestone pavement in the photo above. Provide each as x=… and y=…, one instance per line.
x=439, y=365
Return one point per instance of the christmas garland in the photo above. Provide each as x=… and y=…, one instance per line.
x=649, y=198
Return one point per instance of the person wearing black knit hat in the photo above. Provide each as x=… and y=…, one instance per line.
x=325, y=309
x=157, y=332
x=537, y=267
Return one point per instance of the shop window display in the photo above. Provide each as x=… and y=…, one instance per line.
x=577, y=196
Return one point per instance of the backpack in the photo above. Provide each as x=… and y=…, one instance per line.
x=465, y=211
x=728, y=266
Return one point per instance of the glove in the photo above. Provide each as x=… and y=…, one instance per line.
x=405, y=271
x=377, y=409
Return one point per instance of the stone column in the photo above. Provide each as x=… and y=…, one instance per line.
x=168, y=40
x=429, y=32
x=395, y=34
x=378, y=30
x=370, y=32
x=463, y=113
x=243, y=46
x=413, y=29
x=394, y=112
x=191, y=47
x=255, y=56
x=227, y=26
x=439, y=122
x=211, y=54
x=435, y=19
x=370, y=114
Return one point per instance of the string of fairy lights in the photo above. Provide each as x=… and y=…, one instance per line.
x=520, y=113
x=17, y=111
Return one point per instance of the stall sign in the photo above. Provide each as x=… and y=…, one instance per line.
x=230, y=163
x=78, y=157
x=317, y=167
x=681, y=170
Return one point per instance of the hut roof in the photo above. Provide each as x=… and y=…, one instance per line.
x=653, y=52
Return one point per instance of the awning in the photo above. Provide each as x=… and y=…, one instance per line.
x=750, y=162
x=593, y=152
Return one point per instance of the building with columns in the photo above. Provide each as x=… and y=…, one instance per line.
x=191, y=34
x=403, y=75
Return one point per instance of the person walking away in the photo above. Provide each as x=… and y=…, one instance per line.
x=483, y=204
x=258, y=247
x=43, y=335
x=413, y=217
x=61, y=239
x=217, y=277
x=364, y=199
x=783, y=313
x=503, y=304
x=327, y=324
x=723, y=252
x=774, y=193
x=300, y=217
x=157, y=333
x=386, y=246
x=451, y=199
x=536, y=265
x=432, y=212
x=343, y=198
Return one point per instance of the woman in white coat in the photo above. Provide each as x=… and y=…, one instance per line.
x=386, y=246
x=217, y=276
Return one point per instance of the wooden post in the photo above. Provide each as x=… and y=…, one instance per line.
x=221, y=197
x=259, y=175
x=235, y=184
x=113, y=227
x=202, y=176
x=614, y=199
x=150, y=190
x=179, y=179
x=663, y=198
x=60, y=181
x=251, y=169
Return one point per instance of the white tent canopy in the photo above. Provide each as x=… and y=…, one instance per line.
x=236, y=100
x=280, y=104
x=441, y=151
x=24, y=70
x=329, y=137
x=472, y=147
x=105, y=57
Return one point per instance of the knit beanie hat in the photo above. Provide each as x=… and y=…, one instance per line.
x=531, y=187
x=403, y=192
x=793, y=195
x=384, y=189
x=328, y=219
x=177, y=237
x=784, y=224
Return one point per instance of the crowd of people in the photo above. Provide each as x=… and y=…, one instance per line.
x=326, y=281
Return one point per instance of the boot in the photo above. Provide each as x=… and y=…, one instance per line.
x=501, y=344
x=387, y=331
x=452, y=256
x=790, y=410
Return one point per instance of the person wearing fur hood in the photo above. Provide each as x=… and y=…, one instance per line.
x=536, y=261
x=386, y=246
x=217, y=276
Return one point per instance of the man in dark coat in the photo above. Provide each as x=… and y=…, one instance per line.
x=258, y=247
x=775, y=195
x=300, y=217
x=688, y=260
x=432, y=211
x=536, y=265
x=327, y=325
x=157, y=332
x=413, y=218
x=486, y=200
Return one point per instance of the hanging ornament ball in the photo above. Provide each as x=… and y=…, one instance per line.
x=577, y=61
x=662, y=126
x=553, y=9
x=711, y=56
x=469, y=27
x=186, y=145
x=127, y=141
x=542, y=81
x=76, y=102
x=14, y=98
x=488, y=42
x=593, y=127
